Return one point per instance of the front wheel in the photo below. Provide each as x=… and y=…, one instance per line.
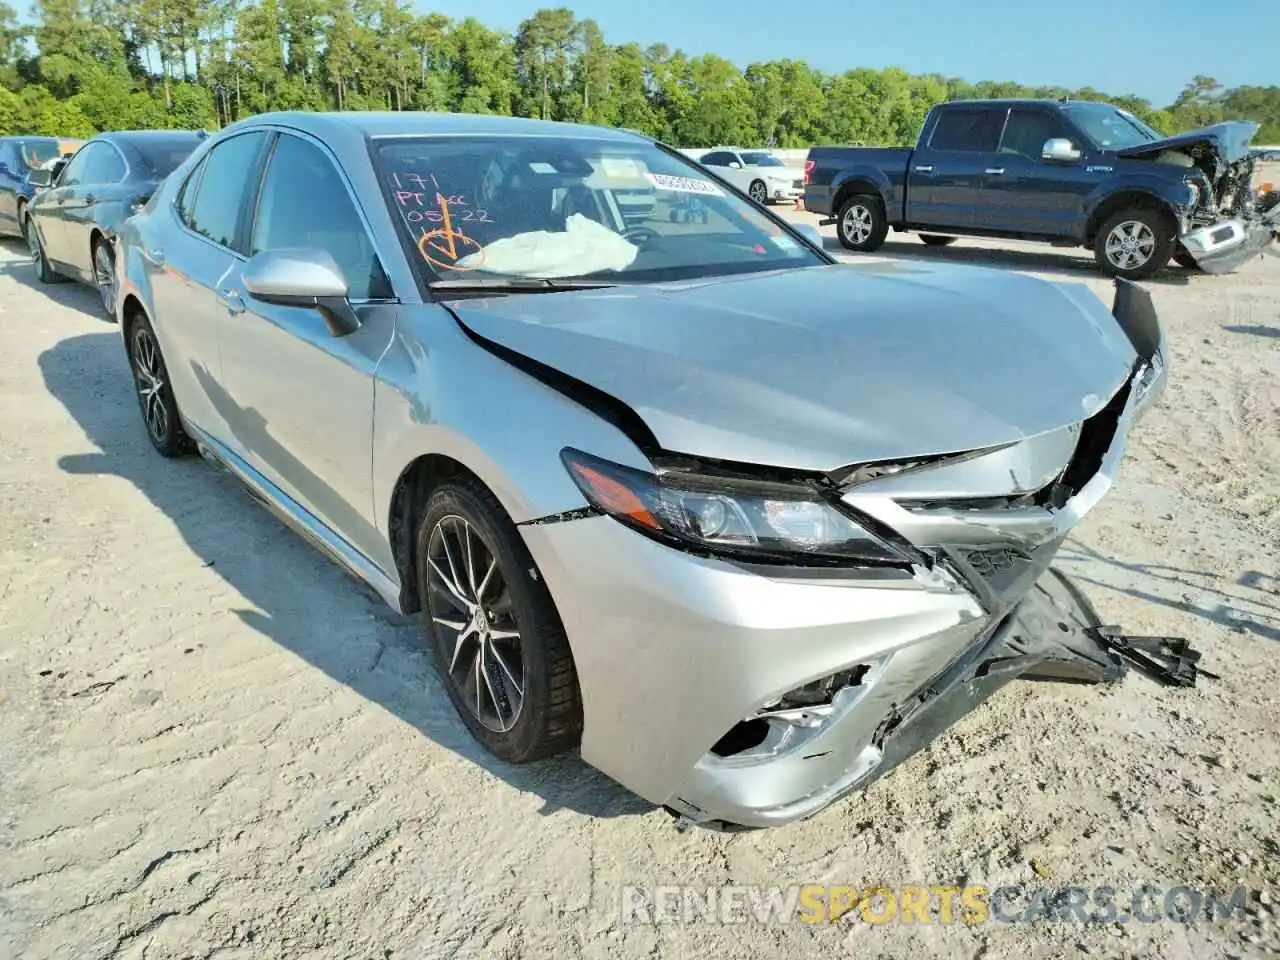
x=104, y=274
x=758, y=192
x=933, y=240
x=862, y=223
x=155, y=394
x=1133, y=244
x=499, y=646
x=44, y=272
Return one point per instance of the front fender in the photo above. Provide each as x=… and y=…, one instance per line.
x=439, y=392
x=1174, y=195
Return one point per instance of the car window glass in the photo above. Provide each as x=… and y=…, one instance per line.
x=78, y=168
x=970, y=131
x=187, y=196
x=8, y=157
x=108, y=166
x=226, y=178
x=1027, y=131
x=289, y=216
x=719, y=159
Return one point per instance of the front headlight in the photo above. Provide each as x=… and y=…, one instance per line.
x=747, y=519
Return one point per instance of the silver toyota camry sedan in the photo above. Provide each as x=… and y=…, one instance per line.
x=662, y=478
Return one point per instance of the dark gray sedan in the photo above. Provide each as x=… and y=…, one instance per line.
x=78, y=210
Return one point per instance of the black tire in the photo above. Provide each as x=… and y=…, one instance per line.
x=861, y=223
x=548, y=719
x=44, y=272
x=759, y=192
x=1184, y=259
x=1153, y=235
x=102, y=247
x=933, y=240
x=156, y=402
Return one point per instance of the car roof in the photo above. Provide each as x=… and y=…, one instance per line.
x=1021, y=102
x=401, y=124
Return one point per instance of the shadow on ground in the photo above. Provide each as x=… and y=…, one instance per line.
x=279, y=577
x=66, y=293
x=1255, y=329
x=1074, y=265
x=1227, y=608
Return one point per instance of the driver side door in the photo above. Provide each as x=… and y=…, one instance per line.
x=303, y=395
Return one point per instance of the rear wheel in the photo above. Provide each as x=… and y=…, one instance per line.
x=1135, y=243
x=155, y=394
x=862, y=222
x=499, y=647
x=933, y=240
x=758, y=192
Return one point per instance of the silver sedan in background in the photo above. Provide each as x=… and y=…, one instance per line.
x=747, y=524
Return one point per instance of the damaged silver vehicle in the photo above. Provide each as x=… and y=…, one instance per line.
x=748, y=525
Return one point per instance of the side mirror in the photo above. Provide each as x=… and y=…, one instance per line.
x=302, y=278
x=1061, y=150
x=810, y=233
x=40, y=177
x=734, y=165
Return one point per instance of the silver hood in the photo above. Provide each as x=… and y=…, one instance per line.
x=822, y=367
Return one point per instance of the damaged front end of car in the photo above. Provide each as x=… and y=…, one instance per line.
x=1226, y=220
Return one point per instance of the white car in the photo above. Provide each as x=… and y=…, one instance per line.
x=759, y=174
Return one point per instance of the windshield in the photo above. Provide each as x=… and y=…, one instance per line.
x=36, y=152
x=761, y=160
x=1109, y=128
x=551, y=207
x=163, y=154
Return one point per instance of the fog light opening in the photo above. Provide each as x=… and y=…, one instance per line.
x=742, y=736
x=820, y=692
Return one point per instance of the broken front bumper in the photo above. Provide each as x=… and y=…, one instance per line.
x=1227, y=245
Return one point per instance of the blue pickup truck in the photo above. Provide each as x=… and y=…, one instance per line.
x=1071, y=173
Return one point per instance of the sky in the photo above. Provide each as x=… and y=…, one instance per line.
x=1151, y=48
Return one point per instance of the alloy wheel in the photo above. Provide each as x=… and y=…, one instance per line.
x=148, y=373
x=33, y=243
x=857, y=224
x=758, y=192
x=474, y=622
x=104, y=272
x=1130, y=245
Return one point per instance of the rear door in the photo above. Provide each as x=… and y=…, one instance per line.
x=947, y=175
x=1030, y=194
x=303, y=397
x=198, y=242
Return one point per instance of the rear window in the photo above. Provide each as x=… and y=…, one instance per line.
x=162, y=156
x=968, y=131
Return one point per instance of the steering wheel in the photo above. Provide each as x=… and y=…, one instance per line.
x=640, y=236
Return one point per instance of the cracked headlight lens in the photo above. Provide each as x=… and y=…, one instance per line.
x=748, y=519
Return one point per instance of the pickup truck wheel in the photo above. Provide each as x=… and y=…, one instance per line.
x=933, y=240
x=863, y=225
x=1134, y=244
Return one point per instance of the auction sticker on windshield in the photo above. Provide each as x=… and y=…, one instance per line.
x=665, y=181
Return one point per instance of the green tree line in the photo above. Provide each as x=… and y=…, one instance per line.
x=84, y=66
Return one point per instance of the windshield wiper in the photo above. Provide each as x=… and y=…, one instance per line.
x=515, y=285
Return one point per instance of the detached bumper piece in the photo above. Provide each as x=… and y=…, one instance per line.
x=1223, y=247
x=1170, y=660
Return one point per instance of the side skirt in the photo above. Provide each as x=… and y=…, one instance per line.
x=314, y=530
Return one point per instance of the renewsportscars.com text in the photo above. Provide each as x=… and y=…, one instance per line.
x=931, y=904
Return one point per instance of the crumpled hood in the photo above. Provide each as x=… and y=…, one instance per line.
x=1230, y=138
x=822, y=367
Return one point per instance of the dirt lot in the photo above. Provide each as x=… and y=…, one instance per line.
x=212, y=743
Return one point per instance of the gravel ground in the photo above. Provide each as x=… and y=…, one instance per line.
x=212, y=743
